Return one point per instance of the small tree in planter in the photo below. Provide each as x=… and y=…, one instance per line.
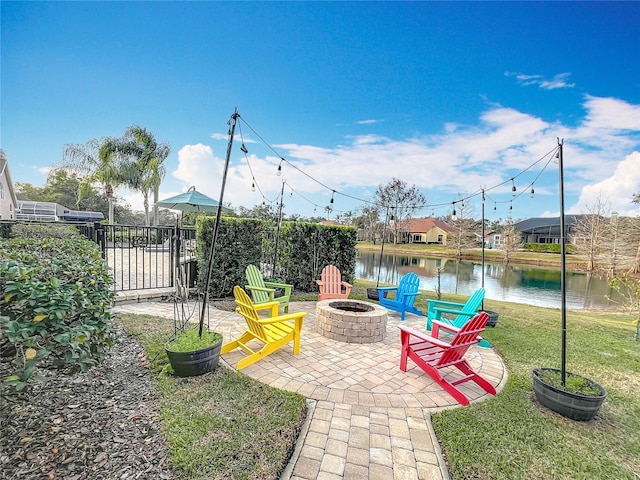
x=568, y=394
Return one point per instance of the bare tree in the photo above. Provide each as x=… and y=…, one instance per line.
x=590, y=235
x=402, y=200
x=511, y=240
x=629, y=290
x=463, y=236
x=369, y=222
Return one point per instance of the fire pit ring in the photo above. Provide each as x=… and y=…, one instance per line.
x=351, y=321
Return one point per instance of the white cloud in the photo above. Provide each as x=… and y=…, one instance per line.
x=598, y=157
x=617, y=189
x=558, y=81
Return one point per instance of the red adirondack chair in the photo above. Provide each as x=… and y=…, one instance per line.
x=433, y=355
x=331, y=284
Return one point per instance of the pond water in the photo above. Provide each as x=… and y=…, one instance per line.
x=510, y=283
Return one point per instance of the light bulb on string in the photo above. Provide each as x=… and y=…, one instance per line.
x=513, y=187
x=495, y=207
x=533, y=192
x=332, y=192
x=453, y=214
x=279, y=172
x=253, y=186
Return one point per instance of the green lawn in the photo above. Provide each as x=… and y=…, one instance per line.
x=222, y=417
x=222, y=424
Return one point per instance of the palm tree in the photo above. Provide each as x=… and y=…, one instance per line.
x=144, y=170
x=96, y=161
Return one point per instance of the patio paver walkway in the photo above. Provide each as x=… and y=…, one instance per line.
x=367, y=419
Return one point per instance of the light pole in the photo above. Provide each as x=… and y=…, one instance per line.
x=212, y=253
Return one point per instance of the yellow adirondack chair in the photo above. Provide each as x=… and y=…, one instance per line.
x=274, y=331
x=262, y=291
x=331, y=284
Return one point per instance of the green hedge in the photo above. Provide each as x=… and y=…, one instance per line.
x=239, y=243
x=304, y=249
x=55, y=295
x=547, y=248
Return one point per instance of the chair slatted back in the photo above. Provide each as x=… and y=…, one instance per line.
x=246, y=308
x=254, y=279
x=465, y=338
x=332, y=280
x=409, y=284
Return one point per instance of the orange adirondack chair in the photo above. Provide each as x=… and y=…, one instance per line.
x=433, y=355
x=331, y=284
x=274, y=331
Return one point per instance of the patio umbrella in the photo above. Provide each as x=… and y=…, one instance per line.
x=190, y=201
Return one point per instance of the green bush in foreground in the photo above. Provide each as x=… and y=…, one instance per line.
x=54, y=300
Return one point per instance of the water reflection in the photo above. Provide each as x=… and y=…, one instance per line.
x=510, y=283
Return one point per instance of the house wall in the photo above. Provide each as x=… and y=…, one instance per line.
x=8, y=203
x=433, y=235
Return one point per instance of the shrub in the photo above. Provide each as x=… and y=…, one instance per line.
x=21, y=230
x=55, y=295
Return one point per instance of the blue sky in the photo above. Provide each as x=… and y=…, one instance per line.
x=449, y=97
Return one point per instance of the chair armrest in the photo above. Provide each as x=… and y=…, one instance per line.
x=387, y=289
x=268, y=305
x=414, y=294
x=320, y=282
x=260, y=289
x=346, y=285
x=283, y=318
x=285, y=286
x=437, y=303
x=455, y=312
x=437, y=324
x=423, y=336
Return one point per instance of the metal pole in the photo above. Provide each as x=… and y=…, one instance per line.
x=563, y=254
x=384, y=234
x=482, y=307
x=275, y=253
x=205, y=300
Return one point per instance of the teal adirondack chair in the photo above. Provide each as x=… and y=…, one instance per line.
x=405, y=295
x=463, y=312
x=263, y=292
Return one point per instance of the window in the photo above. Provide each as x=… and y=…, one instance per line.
x=1, y=191
x=440, y=239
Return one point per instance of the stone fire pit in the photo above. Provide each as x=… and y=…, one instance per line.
x=351, y=321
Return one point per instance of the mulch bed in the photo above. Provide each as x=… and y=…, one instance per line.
x=99, y=425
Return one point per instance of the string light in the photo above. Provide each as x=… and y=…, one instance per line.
x=532, y=192
x=555, y=152
x=332, y=192
x=453, y=215
x=253, y=186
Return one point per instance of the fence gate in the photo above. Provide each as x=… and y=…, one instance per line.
x=141, y=258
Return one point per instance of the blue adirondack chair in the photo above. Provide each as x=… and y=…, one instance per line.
x=405, y=295
x=463, y=312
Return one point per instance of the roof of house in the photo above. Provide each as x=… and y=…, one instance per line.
x=423, y=225
x=545, y=222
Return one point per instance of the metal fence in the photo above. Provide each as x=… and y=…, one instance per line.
x=138, y=258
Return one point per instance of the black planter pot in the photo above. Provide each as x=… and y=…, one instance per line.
x=197, y=362
x=568, y=404
x=493, y=318
x=372, y=294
